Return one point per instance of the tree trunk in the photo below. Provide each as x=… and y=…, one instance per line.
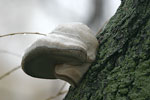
x=122, y=68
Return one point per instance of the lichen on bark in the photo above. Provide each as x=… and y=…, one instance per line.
x=122, y=67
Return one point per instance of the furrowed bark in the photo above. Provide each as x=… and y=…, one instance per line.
x=122, y=67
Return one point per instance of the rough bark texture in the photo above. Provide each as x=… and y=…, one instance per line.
x=122, y=68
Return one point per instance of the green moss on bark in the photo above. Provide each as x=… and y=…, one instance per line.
x=122, y=67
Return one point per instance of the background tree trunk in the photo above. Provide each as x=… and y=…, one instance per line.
x=122, y=68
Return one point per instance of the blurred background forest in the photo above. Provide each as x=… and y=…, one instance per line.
x=40, y=16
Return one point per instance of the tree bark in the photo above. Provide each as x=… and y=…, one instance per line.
x=122, y=67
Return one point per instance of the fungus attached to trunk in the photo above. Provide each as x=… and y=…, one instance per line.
x=66, y=53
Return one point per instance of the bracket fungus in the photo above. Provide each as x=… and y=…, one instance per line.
x=66, y=53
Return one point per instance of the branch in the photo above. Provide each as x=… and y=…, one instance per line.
x=11, y=71
x=14, y=69
x=17, y=55
x=22, y=33
x=60, y=92
x=9, y=52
